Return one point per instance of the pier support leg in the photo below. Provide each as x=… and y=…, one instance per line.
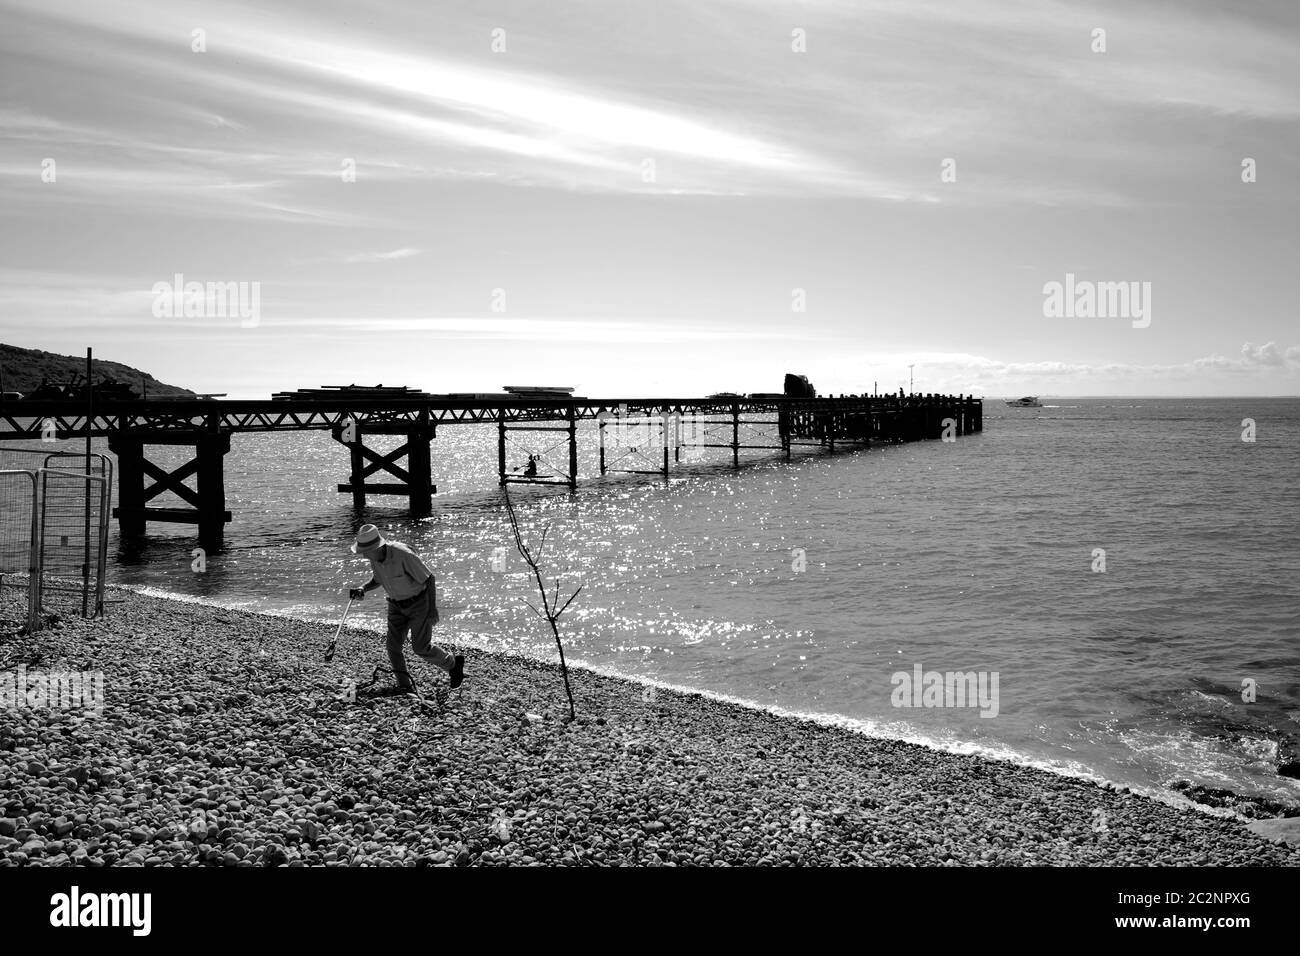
x=421, y=469
x=358, y=469
x=600, y=437
x=573, y=447
x=667, y=424
x=130, y=485
x=735, y=436
x=501, y=447
x=211, y=486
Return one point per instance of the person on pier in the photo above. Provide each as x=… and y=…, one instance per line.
x=412, y=604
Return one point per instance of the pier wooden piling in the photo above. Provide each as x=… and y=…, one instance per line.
x=206, y=500
x=573, y=448
x=414, y=481
x=735, y=435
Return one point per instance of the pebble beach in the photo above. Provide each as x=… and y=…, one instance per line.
x=226, y=740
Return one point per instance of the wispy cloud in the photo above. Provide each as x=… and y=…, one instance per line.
x=358, y=258
x=96, y=166
x=885, y=91
x=982, y=374
x=537, y=329
x=404, y=253
x=502, y=109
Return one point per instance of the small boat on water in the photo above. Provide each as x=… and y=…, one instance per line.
x=1029, y=401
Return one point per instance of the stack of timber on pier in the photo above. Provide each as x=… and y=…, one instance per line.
x=354, y=413
x=538, y=391
x=351, y=393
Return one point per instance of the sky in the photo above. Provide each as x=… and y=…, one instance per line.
x=664, y=199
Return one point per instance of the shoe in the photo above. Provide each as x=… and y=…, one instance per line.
x=457, y=672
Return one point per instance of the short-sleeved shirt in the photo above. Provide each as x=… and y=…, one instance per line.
x=402, y=573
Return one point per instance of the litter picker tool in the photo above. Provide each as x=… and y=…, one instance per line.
x=329, y=651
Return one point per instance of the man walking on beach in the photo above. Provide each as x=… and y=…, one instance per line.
x=412, y=604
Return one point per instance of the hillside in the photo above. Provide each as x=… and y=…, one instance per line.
x=25, y=368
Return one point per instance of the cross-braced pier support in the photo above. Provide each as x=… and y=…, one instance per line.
x=729, y=420
x=415, y=481
x=533, y=473
x=669, y=426
x=206, y=500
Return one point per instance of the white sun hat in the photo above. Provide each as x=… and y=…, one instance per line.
x=369, y=540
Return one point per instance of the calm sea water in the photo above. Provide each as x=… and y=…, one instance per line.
x=969, y=556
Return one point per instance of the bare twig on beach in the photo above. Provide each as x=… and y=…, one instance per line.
x=551, y=608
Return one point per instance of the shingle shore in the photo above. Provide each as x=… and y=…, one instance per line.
x=223, y=741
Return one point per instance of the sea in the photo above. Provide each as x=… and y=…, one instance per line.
x=1117, y=579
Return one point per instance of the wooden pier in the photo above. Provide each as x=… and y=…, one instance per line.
x=735, y=423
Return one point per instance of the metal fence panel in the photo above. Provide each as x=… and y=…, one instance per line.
x=73, y=541
x=19, y=551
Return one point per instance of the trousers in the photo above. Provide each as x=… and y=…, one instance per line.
x=417, y=618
